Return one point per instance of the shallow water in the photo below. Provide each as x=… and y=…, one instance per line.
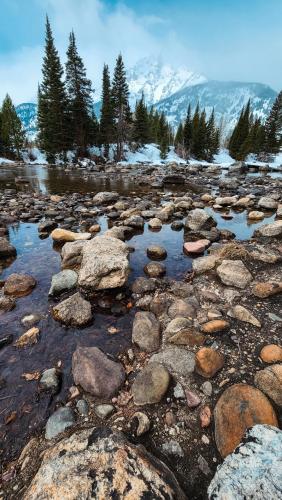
x=37, y=257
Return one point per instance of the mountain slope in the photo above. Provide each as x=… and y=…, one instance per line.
x=227, y=99
x=158, y=81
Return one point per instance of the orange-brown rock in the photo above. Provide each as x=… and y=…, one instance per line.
x=271, y=353
x=208, y=362
x=264, y=290
x=216, y=325
x=205, y=416
x=19, y=285
x=241, y=406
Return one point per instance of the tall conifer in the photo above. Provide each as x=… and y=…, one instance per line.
x=12, y=135
x=107, y=116
x=122, y=115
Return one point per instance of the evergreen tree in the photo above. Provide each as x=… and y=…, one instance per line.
x=52, y=118
x=195, y=145
x=163, y=136
x=200, y=153
x=107, y=116
x=12, y=135
x=179, y=140
x=273, y=127
x=240, y=134
x=212, y=138
x=122, y=115
x=80, y=104
x=141, y=130
x=187, y=133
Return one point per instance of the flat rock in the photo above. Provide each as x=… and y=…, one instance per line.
x=105, y=197
x=146, y=331
x=19, y=285
x=74, y=311
x=240, y=406
x=253, y=470
x=234, y=273
x=242, y=314
x=269, y=381
x=270, y=230
x=196, y=247
x=104, y=264
x=204, y=264
x=150, y=384
x=181, y=309
x=64, y=235
x=208, y=362
x=178, y=361
x=189, y=337
x=64, y=281
x=198, y=219
x=100, y=463
x=96, y=373
x=267, y=203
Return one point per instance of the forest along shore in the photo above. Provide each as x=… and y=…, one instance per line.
x=145, y=315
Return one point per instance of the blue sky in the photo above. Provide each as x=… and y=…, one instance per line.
x=223, y=39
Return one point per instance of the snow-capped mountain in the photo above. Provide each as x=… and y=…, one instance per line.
x=227, y=99
x=27, y=112
x=158, y=81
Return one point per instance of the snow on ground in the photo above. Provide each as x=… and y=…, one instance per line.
x=4, y=161
x=223, y=158
x=151, y=154
x=37, y=155
x=277, y=161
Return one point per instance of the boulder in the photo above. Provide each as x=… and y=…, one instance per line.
x=104, y=264
x=100, y=463
x=267, y=203
x=146, y=331
x=19, y=285
x=63, y=281
x=269, y=381
x=96, y=373
x=155, y=223
x=208, y=362
x=6, y=249
x=234, y=273
x=226, y=200
x=64, y=235
x=270, y=230
x=74, y=311
x=105, y=197
x=199, y=220
x=240, y=406
x=253, y=470
x=256, y=215
x=151, y=384
x=196, y=247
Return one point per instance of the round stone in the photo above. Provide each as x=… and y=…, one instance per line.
x=19, y=285
x=150, y=384
x=271, y=353
x=208, y=362
x=155, y=269
x=156, y=252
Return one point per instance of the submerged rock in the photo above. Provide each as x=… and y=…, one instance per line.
x=6, y=249
x=104, y=264
x=100, y=463
x=19, y=285
x=253, y=470
x=74, y=311
x=63, y=281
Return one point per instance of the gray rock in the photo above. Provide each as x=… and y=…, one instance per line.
x=156, y=252
x=63, y=281
x=206, y=388
x=268, y=203
x=181, y=309
x=172, y=447
x=253, y=471
x=270, y=230
x=58, y=422
x=177, y=360
x=198, y=219
x=146, y=331
x=82, y=407
x=105, y=197
x=104, y=264
x=96, y=373
x=204, y=264
x=102, y=464
x=72, y=254
x=104, y=410
x=151, y=384
x=6, y=304
x=269, y=381
x=47, y=226
x=74, y=311
x=50, y=380
x=234, y=273
x=143, y=285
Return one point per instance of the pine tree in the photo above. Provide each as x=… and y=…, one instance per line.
x=122, y=115
x=195, y=145
x=52, y=118
x=163, y=136
x=273, y=127
x=212, y=138
x=141, y=132
x=80, y=104
x=179, y=140
x=12, y=135
x=107, y=116
x=187, y=133
x=240, y=134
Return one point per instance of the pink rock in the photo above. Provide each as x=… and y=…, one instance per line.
x=196, y=246
x=192, y=399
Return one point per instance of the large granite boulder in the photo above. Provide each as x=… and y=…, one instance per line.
x=100, y=463
x=199, y=220
x=104, y=264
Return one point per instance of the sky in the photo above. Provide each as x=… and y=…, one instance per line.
x=222, y=39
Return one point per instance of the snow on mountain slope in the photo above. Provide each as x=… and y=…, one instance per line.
x=27, y=113
x=227, y=99
x=158, y=81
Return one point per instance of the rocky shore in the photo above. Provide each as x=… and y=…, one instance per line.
x=194, y=400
